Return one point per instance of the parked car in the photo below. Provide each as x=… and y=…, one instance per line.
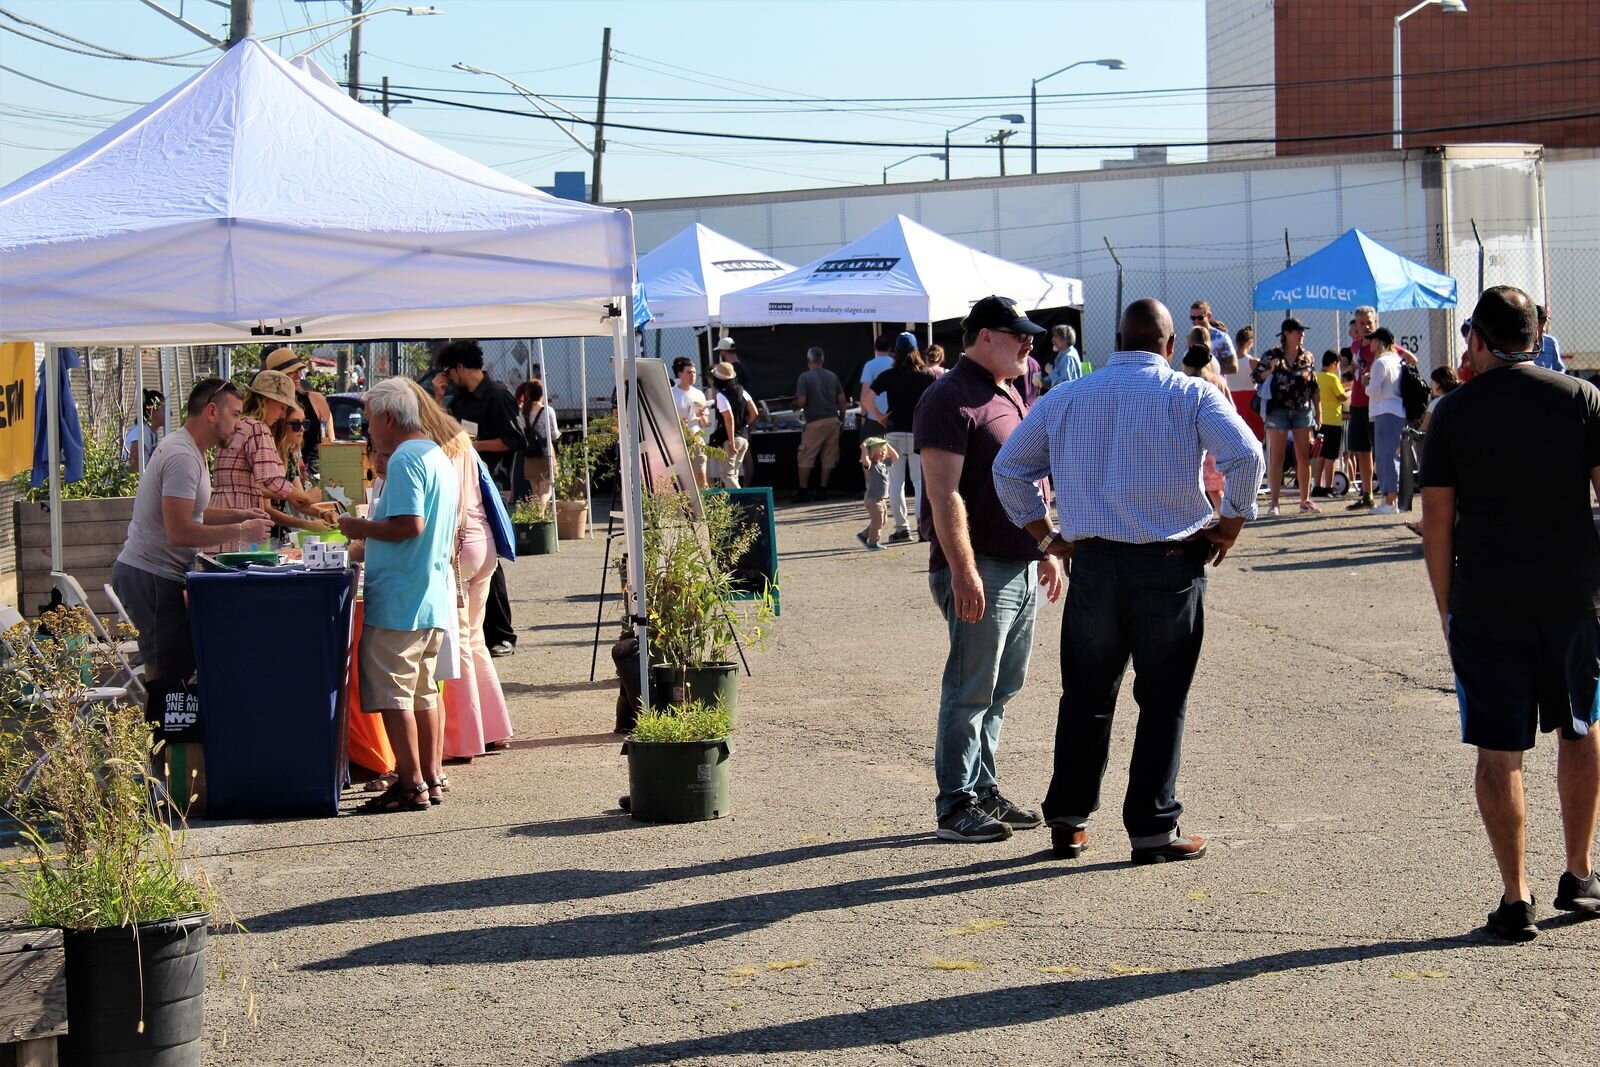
x=349, y=416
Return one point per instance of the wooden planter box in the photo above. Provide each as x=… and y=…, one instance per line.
x=33, y=994
x=92, y=534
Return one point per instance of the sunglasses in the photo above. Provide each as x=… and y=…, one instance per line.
x=1197, y=318
x=296, y=424
x=1019, y=335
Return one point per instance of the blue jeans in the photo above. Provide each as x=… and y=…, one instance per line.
x=987, y=664
x=1386, y=431
x=1147, y=603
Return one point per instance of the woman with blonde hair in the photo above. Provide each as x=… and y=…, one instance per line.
x=476, y=718
x=289, y=434
x=249, y=466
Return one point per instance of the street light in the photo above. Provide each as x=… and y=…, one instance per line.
x=1449, y=7
x=347, y=24
x=974, y=122
x=1033, y=96
x=908, y=159
x=537, y=101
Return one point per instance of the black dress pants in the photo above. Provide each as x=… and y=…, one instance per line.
x=497, y=627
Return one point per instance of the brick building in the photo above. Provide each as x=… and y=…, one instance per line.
x=1323, y=69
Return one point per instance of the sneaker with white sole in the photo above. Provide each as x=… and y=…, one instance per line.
x=970, y=823
x=1002, y=809
x=1578, y=894
x=1386, y=509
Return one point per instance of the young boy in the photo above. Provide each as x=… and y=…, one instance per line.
x=1334, y=394
x=877, y=456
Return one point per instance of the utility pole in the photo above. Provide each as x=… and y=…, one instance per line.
x=355, y=51
x=386, y=96
x=239, y=12
x=1000, y=137
x=600, y=116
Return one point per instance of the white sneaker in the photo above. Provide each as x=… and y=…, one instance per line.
x=1385, y=509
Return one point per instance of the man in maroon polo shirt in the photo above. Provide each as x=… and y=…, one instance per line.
x=981, y=569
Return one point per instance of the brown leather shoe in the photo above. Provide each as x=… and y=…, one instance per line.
x=1068, y=843
x=1180, y=848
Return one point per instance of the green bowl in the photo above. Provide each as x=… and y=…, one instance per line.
x=240, y=559
x=327, y=537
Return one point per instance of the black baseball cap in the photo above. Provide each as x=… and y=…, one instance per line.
x=999, y=313
x=1382, y=336
x=1292, y=323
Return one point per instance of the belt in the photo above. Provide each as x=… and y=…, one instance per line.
x=1149, y=548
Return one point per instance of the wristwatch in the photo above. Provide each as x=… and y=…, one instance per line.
x=1048, y=539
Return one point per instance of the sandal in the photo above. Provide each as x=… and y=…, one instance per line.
x=444, y=782
x=396, y=798
x=382, y=782
x=435, y=792
x=1307, y=507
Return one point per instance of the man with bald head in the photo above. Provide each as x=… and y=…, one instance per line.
x=1124, y=448
x=1508, y=467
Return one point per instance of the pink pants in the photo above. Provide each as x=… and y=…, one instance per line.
x=475, y=711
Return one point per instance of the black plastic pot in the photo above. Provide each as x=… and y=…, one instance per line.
x=113, y=981
x=677, y=781
x=709, y=683
x=535, y=538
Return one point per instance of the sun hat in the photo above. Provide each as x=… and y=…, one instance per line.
x=283, y=359
x=724, y=372
x=275, y=385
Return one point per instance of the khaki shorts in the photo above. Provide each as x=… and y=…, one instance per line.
x=397, y=669
x=819, y=438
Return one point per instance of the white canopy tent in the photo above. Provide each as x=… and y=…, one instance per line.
x=900, y=272
x=254, y=201
x=686, y=278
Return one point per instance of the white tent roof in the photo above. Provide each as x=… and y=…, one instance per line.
x=686, y=278
x=900, y=272
x=254, y=194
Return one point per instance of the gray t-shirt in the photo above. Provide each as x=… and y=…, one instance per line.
x=821, y=388
x=178, y=469
x=877, y=481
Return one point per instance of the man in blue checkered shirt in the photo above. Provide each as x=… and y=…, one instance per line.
x=1124, y=447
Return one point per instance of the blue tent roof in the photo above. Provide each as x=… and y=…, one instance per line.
x=1352, y=271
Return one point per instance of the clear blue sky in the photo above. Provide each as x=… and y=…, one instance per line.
x=733, y=53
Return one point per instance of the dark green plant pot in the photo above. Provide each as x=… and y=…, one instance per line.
x=105, y=972
x=709, y=683
x=677, y=781
x=535, y=538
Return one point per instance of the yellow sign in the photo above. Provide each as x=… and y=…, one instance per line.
x=16, y=408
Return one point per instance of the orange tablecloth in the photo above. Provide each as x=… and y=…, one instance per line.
x=368, y=744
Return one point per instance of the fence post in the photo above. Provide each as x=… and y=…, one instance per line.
x=1117, y=311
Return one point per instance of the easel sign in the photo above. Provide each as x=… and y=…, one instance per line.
x=756, y=572
x=665, y=454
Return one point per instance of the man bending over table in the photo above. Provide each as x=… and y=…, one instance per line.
x=409, y=539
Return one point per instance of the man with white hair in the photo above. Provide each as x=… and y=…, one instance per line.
x=409, y=538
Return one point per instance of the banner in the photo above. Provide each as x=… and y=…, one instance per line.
x=16, y=408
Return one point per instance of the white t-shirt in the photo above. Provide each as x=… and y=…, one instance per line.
x=1383, y=389
x=690, y=402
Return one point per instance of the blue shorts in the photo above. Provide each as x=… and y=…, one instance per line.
x=1516, y=678
x=1288, y=419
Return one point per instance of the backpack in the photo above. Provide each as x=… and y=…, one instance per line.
x=736, y=397
x=1414, y=392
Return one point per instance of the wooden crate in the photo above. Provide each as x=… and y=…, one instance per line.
x=33, y=995
x=92, y=534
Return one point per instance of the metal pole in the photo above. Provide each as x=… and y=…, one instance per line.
x=1118, y=262
x=600, y=116
x=1033, y=126
x=947, y=155
x=625, y=369
x=588, y=496
x=1478, y=239
x=1398, y=138
x=52, y=392
x=355, y=50
x=138, y=395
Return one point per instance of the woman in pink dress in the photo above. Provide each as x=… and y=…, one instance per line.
x=249, y=466
x=475, y=712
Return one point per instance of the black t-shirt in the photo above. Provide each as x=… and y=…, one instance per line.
x=1517, y=445
x=903, y=388
x=492, y=407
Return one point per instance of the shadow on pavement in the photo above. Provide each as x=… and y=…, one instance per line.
x=1392, y=553
x=559, y=687
x=580, y=827
x=992, y=1009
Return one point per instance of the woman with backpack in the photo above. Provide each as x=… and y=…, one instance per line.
x=735, y=412
x=540, y=431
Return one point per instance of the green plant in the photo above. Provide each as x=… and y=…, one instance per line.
x=691, y=721
x=530, y=511
x=584, y=459
x=105, y=845
x=323, y=382
x=104, y=473
x=689, y=581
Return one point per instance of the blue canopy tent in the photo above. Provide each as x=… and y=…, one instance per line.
x=1352, y=271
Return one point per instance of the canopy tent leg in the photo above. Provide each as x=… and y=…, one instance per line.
x=52, y=392
x=138, y=393
x=583, y=386
x=624, y=366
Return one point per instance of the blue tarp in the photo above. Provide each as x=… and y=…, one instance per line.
x=71, y=432
x=1352, y=271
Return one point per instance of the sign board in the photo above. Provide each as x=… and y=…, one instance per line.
x=757, y=570
x=16, y=408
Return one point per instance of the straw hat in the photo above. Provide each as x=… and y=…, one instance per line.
x=724, y=372
x=283, y=359
x=276, y=385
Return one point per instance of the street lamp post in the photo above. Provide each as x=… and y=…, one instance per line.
x=1449, y=7
x=1033, y=98
x=908, y=159
x=974, y=122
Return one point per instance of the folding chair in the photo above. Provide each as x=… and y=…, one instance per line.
x=128, y=676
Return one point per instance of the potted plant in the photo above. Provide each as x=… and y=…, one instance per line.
x=694, y=620
x=533, y=526
x=103, y=861
x=678, y=763
x=578, y=462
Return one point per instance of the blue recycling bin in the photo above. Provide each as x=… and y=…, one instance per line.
x=273, y=652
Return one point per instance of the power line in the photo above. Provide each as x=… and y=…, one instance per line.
x=65, y=89
x=1224, y=142
x=102, y=53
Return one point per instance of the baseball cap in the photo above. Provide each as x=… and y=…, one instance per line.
x=999, y=313
x=1382, y=336
x=1292, y=323
x=906, y=342
x=875, y=442
x=726, y=343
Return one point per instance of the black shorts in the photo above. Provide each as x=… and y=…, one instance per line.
x=1516, y=678
x=1332, y=439
x=157, y=608
x=1360, y=438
